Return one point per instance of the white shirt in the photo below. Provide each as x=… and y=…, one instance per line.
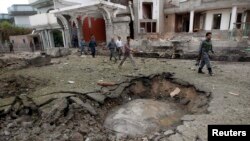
x=119, y=43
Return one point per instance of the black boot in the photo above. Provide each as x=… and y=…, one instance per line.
x=210, y=71
x=200, y=71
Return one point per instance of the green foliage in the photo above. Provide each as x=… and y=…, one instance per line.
x=7, y=29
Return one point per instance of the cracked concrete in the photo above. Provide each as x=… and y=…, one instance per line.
x=223, y=107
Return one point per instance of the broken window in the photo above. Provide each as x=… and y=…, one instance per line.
x=148, y=26
x=147, y=8
x=216, y=21
x=239, y=20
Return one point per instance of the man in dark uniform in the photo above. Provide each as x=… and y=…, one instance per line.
x=113, y=49
x=92, y=46
x=11, y=47
x=205, y=48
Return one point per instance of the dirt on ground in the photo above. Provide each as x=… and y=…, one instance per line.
x=63, y=101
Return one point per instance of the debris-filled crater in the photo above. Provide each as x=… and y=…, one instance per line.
x=137, y=107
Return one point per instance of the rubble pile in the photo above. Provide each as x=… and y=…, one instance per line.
x=23, y=60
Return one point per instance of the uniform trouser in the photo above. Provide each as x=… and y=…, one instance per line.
x=119, y=50
x=93, y=51
x=130, y=56
x=205, y=60
x=82, y=50
x=113, y=54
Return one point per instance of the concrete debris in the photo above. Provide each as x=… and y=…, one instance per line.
x=40, y=61
x=48, y=98
x=176, y=137
x=54, y=110
x=169, y=132
x=86, y=106
x=231, y=93
x=19, y=61
x=187, y=118
x=58, y=52
x=105, y=84
x=71, y=82
x=145, y=139
x=6, y=133
x=27, y=124
x=76, y=137
x=97, y=97
x=175, y=92
x=77, y=115
x=138, y=117
x=184, y=101
x=6, y=101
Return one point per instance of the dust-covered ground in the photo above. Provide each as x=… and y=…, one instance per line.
x=74, y=75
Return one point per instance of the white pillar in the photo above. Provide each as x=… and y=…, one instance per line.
x=50, y=39
x=191, y=21
x=47, y=39
x=68, y=37
x=43, y=40
x=64, y=39
x=233, y=17
x=52, y=43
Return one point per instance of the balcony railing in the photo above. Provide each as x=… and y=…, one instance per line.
x=21, y=10
x=5, y=17
x=48, y=20
x=41, y=3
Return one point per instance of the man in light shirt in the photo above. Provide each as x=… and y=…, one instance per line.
x=119, y=45
x=127, y=54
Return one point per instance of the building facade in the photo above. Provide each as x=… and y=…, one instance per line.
x=5, y=17
x=198, y=15
x=81, y=19
x=20, y=14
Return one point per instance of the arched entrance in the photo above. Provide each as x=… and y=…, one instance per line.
x=94, y=26
x=57, y=38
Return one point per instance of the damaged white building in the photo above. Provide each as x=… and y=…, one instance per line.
x=75, y=20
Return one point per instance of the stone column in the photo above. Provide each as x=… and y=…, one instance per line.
x=50, y=39
x=136, y=18
x=47, y=38
x=79, y=31
x=43, y=40
x=121, y=27
x=233, y=17
x=68, y=37
x=191, y=21
x=64, y=39
x=109, y=31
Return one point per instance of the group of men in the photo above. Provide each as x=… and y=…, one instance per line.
x=92, y=46
x=117, y=49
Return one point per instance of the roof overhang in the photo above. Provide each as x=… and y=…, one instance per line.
x=90, y=7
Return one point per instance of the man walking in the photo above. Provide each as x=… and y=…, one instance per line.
x=82, y=44
x=11, y=47
x=92, y=46
x=112, y=47
x=119, y=45
x=128, y=54
x=205, y=48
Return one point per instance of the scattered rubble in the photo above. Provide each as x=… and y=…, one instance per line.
x=19, y=61
x=74, y=115
x=58, y=52
x=175, y=92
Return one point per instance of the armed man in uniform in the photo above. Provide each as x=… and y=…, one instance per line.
x=205, y=48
